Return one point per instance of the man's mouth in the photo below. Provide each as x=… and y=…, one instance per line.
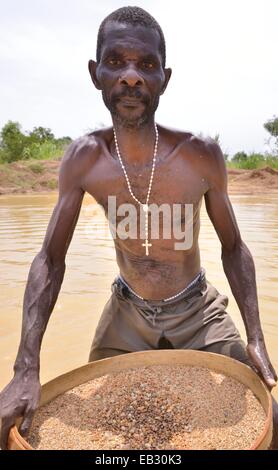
x=128, y=101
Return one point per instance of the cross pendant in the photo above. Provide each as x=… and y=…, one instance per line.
x=147, y=244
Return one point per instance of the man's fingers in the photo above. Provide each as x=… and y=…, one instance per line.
x=269, y=373
x=268, y=376
x=7, y=424
x=262, y=365
x=270, y=382
x=26, y=422
x=273, y=373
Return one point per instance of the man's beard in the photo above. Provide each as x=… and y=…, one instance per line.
x=135, y=122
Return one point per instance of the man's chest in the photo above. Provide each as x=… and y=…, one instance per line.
x=175, y=196
x=174, y=182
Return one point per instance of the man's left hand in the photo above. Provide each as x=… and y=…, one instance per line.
x=261, y=363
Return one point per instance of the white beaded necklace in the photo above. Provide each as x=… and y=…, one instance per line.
x=146, y=205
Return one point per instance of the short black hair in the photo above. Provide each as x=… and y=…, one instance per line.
x=133, y=16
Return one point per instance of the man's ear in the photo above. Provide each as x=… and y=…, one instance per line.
x=167, y=73
x=92, y=66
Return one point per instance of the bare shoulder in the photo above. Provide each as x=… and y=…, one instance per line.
x=216, y=171
x=205, y=146
x=191, y=143
x=79, y=158
x=81, y=151
x=208, y=153
x=174, y=137
x=204, y=155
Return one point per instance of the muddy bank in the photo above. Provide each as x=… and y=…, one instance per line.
x=29, y=176
x=42, y=176
x=263, y=180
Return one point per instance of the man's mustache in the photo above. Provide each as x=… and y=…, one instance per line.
x=132, y=93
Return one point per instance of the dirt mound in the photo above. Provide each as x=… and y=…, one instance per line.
x=234, y=171
x=252, y=181
x=29, y=176
x=263, y=173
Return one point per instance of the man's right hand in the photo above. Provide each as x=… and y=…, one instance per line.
x=20, y=398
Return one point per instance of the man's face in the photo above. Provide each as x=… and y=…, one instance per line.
x=130, y=73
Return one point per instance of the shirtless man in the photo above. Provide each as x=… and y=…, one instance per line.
x=161, y=298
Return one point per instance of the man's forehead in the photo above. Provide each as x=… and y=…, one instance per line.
x=125, y=35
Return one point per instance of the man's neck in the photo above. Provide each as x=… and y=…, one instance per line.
x=136, y=145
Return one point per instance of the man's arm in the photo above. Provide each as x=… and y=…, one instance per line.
x=21, y=395
x=48, y=268
x=237, y=262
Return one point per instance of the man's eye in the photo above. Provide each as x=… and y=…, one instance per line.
x=114, y=61
x=148, y=65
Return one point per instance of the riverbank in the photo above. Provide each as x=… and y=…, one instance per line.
x=38, y=176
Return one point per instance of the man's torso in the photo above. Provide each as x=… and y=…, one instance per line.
x=181, y=177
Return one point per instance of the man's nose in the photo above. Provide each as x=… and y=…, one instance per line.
x=131, y=77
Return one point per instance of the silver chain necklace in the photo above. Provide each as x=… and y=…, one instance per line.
x=145, y=206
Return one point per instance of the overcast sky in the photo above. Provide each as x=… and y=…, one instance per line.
x=223, y=54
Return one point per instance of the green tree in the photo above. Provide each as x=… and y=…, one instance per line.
x=39, y=144
x=35, y=142
x=12, y=141
x=63, y=141
x=240, y=157
x=41, y=134
x=271, y=126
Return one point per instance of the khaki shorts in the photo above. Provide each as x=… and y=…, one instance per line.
x=196, y=319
